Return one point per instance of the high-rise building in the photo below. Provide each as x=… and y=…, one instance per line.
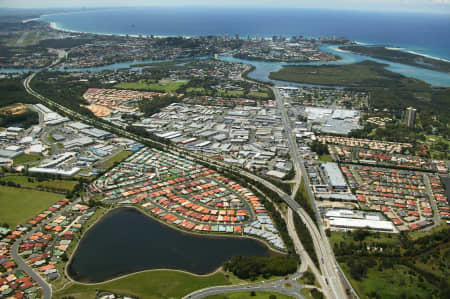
x=410, y=116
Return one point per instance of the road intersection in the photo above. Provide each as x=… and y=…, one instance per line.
x=330, y=279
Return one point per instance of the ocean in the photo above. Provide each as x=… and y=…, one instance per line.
x=422, y=33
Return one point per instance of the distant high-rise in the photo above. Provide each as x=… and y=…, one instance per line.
x=410, y=116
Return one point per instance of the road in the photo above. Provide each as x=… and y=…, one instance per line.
x=323, y=250
x=333, y=287
x=289, y=287
x=46, y=288
x=436, y=217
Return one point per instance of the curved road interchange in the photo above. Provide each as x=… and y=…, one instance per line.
x=330, y=280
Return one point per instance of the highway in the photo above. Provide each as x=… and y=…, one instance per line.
x=333, y=285
x=334, y=288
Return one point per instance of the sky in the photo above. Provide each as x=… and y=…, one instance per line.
x=442, y=6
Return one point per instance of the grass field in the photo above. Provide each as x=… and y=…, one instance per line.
x=150, y=284
x=229, y=93
x=26, y=158
x=169, y=87
x=119, y=157
x=326, y=158
x=23, y=181
x=245, y=295
x=258, y=95
x=19, y=205
x=196, y=89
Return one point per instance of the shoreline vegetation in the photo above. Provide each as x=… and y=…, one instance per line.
x=362, y=75
x=259, y=58
x=181, y=282
x=398, y=55
x=271, y=251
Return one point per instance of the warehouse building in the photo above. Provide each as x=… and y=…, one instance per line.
x=97, y=133
x=334, y=175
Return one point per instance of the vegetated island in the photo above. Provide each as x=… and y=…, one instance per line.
x=246, y=56
x=362, y=74
x=395, y=55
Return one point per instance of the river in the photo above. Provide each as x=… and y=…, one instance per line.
x=263, y=69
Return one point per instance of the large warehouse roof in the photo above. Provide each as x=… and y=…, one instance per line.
x=334, y=174
x=362, y=223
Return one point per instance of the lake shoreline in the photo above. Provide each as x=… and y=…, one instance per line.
x=67, y=270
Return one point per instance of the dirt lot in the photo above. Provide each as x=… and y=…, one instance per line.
x=14, y=109
x=99, y=111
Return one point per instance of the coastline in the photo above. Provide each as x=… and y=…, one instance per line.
x=57, y=27
x=417, y=53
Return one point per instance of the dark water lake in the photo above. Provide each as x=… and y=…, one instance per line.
x=446, y=181
x=125, y=241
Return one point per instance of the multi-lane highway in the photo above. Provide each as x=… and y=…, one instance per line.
x=331, y=282
x=324, y=252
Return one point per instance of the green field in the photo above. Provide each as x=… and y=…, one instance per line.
x=394, y=283
x=196, y=90
x=27, y=158
x=229, y=93
x=248, y=295
x=169, y=87
x=326, y=158
x=258, y=95
x=23, y=181
x=19, y=205
x=361, y=74
x=117, y=158
x=150, y=284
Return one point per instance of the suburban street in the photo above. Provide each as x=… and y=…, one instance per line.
x=334, y=287
x=46, y=287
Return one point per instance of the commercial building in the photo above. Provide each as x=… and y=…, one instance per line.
x=334, y=175
x=10, y=154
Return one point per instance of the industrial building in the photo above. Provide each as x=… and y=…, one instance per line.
x=358, y=220
x=334, y=175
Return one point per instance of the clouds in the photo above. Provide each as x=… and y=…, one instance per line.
x=384, y=5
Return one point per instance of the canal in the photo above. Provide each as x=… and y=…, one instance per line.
x=126, y=241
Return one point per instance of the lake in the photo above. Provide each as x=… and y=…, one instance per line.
x=126, y=241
